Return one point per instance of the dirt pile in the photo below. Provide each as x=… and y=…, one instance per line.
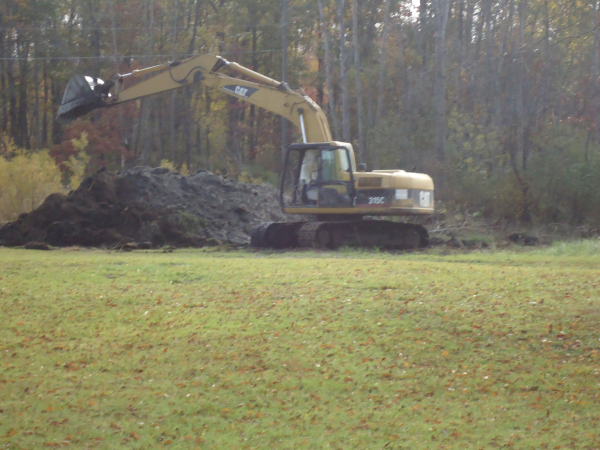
x=148, y=208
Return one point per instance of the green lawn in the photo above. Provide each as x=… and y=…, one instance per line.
x=224, y=350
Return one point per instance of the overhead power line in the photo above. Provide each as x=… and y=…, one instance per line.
x=145, y=29
x=67, y=58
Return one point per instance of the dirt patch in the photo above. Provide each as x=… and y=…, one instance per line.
x=148, y=208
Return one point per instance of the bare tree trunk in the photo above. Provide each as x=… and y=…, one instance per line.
x=137, y=134
x=159, y=131
x=441, y=8
x=3, y=88
x=330, y=93
x=233, y=137
x=596, y=74
x=195, y=29
x=488, y=88
x=423, y=26
x=187, y=127
x=36, y=102
x=344, y=75
x=284, y=127
x=547, y=61
x=459, y=55
x=174, y=38
x=116, y=55
x=478, y=95
x=384, y=36
x=172, y=127
x=520, y=62
x=45, y=114
x=22, y=125
x=94, y=34
x=357, y=70
x=521, y=153
x=467, y=66
x=208, y=102
x=56, y=95
x=252, y=115
x=187, y=124
x=12, y=95
x=147, y=104
x=506, y=24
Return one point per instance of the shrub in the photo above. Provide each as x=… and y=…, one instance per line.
x=78, y=162
x=26, y=179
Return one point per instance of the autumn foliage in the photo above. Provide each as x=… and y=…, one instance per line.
x=26, y=179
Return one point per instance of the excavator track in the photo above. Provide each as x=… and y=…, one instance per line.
x=335, y=234
x=316, y=235
x=276, y=235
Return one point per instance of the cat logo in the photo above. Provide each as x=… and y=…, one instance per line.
x=239, y=90
x=242, y=91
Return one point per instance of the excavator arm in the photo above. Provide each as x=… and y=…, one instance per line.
x=84, y=94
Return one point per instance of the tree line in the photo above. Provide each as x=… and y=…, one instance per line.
x=498, y=100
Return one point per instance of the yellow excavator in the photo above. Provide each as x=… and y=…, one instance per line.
x=320, y=177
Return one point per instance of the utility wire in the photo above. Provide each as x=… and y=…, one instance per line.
x=77, y=27
x=68, y=58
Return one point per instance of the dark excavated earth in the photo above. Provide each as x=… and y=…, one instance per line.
x=147, y=208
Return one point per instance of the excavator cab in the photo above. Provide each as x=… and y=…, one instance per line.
x=317, y=176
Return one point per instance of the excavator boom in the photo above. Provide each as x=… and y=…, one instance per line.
x=83, y=94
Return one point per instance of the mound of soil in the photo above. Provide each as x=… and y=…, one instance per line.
x=148, y=208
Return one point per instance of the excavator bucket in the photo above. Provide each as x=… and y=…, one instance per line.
x=82, y=95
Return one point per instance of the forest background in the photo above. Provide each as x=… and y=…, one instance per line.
x=498, y=100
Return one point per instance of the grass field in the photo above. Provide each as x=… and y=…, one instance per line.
x=226, y=350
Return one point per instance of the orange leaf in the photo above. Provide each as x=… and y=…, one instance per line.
x=11, y=433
